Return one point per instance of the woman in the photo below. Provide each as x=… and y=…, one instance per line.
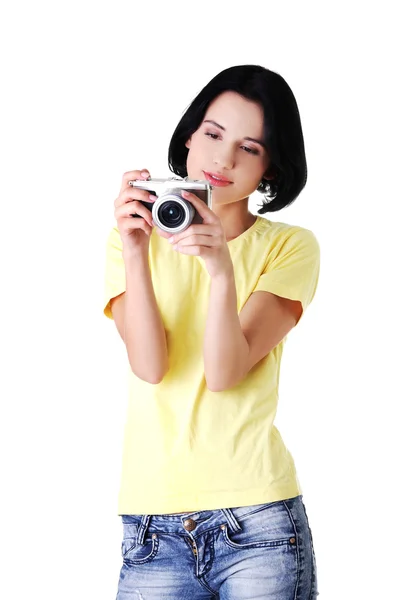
x=210, y=501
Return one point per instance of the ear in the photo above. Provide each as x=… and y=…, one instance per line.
x=187, y=144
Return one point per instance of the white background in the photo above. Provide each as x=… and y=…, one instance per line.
x=92, y=89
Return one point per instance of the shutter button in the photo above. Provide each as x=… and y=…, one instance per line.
x=189, y=524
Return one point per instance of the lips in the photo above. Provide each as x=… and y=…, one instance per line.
x=216, y=179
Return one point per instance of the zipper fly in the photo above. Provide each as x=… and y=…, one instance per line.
x=194, y=548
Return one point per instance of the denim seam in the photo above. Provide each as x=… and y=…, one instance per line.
x=202, y=582
x=210, y=564
x=297, y=548
x=233, y=522
x=313, y=574
x=262, y=507
x=254, y=512
x=144, y=524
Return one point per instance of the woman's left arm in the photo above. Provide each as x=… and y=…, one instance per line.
x=225, y=348
x=233, y=343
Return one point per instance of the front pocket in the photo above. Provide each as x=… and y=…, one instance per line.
x=127, y=545
x=270, y=526
x=255, y=544
x=137, y=554
x=129, y=537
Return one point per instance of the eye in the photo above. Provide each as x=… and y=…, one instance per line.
x=250, y=150
x=214, y=136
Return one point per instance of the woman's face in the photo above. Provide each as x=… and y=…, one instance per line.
x=221, y=147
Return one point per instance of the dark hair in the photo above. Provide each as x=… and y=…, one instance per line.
x=283, y=135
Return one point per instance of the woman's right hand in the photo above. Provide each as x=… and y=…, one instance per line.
x=135, y=232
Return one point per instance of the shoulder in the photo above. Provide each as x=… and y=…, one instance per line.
x=287, y=230
x=286, y=236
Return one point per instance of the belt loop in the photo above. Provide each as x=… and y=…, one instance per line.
x=231, y=519
x=143, y=528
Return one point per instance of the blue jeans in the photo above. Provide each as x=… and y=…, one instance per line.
x=259, y=552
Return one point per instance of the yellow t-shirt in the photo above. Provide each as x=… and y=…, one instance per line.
x=185, y=447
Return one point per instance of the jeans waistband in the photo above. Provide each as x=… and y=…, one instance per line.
x=203, y=520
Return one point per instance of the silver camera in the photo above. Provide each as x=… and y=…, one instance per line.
x=171, y=212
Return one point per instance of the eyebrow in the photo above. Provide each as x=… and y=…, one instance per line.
x=246, y=138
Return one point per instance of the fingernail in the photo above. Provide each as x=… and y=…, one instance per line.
x=144, y=173
x=171, y=240
x=153, y=197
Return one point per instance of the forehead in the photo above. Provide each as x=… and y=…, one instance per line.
x=231, y=110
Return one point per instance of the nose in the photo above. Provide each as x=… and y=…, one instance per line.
x=224, y=158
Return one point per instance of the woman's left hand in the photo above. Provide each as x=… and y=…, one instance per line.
x=206, y=240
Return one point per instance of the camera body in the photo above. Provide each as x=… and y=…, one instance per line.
x=171, y=212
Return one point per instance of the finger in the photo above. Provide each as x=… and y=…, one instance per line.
x=133, y=193
x=142, y=174
x=208, y=241
x=197, y=229
x=133, y=208
x=162, y=233
x=125, y=225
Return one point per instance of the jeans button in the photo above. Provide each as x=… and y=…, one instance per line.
x=189, y=524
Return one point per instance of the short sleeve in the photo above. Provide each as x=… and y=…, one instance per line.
x=293, y=271
x=114, y=283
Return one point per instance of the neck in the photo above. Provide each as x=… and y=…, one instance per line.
x=235, y=218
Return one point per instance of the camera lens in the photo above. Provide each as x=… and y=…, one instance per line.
x=171, y=214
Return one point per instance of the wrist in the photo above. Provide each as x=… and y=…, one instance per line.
x=136, y=262
x=138, y=254
x=226, y=276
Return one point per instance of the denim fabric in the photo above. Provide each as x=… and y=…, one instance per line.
x=259, y=552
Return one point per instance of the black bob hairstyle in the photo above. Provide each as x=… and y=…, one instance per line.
x=283, y=135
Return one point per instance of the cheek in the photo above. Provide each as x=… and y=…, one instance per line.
x=190, y=161
x=196, y=153
x=201, y=143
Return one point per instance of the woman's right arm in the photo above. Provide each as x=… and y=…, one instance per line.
x=135, y=312
x=139, y=322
